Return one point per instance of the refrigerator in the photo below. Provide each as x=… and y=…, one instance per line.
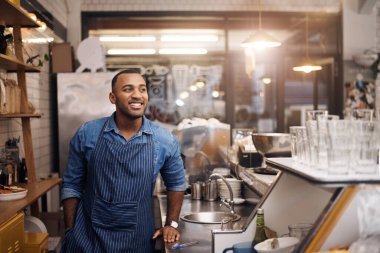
x=80, y=97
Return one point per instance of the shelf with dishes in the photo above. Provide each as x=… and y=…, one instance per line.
x=34, y=190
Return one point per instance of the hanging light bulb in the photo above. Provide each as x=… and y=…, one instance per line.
x=260, y=39
x=307, y=66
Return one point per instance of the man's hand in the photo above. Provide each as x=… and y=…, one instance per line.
x=169, y=234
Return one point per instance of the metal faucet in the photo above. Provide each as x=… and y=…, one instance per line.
x=230, y=204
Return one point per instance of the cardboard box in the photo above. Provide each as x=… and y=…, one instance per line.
x=62, y=58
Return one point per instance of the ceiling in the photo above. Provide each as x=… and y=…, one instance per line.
x=288, y=28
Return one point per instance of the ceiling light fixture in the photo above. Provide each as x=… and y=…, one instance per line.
x=200, y=83
x=266, y=80
x=184, y=95
x=38, y=40
x=260, y=39
x=127, y=38
x=193, y=88
x=146, y=51
x=215, y=94
x=180, y=102
x=189, y=38
x=182, y=51
x=307, y=65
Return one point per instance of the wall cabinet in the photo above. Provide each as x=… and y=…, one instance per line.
x=17, y=18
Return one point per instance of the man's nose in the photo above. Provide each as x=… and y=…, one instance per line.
x=136, y=93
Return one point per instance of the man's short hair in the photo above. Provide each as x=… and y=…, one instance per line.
x=125, y=71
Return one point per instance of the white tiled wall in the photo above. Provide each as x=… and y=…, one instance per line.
x=210, y=5
x=57, y=8
x=38, y=89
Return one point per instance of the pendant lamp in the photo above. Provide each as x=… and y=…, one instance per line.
x=307, y=65
x=260, y=39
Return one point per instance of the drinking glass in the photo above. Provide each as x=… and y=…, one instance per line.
x=312, y=114
x=293, y=141
x=299, y=230
x=365, y=148
x=312, y=133
x=302, y=146
x=339, y=145
x=321, y=141
x=362, y=114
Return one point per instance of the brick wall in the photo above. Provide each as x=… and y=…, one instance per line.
x=211, y=5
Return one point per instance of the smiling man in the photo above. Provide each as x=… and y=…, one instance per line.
x=112, y=168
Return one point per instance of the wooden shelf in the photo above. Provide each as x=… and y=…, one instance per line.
x=19, y=115
x=13, y=15
x=35, y=190
x=12, y=64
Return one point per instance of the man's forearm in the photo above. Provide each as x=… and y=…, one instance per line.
x=69, y=211
x=174, y=204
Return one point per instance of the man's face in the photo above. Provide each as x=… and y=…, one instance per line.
x=130, y=95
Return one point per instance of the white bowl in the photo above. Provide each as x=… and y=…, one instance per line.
x=286, y=245
x=13, y=196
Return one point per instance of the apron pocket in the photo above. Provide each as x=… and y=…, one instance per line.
x=120, y=216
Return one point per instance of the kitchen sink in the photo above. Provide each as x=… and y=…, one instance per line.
x=210, y=217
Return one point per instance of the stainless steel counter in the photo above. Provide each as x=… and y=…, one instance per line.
x=201, y=232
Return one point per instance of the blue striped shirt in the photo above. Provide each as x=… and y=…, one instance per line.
x=167, y=159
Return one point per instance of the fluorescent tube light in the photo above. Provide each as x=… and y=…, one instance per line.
x=182, y=51
x=38, y=40
x=130, y=51
x=127, y=38
x=202, y=38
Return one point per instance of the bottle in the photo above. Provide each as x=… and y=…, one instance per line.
x=260, y=229
x=23, y=173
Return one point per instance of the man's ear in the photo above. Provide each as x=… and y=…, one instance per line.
x=112, y=98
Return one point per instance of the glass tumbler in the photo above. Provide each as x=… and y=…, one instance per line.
x=293, y=141
x=362, y=114
x=339, y=145
x=321, y=141
x=312, y=114
x=365, y=148
x=299, y=230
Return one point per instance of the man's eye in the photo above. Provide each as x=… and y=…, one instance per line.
x=143, y=89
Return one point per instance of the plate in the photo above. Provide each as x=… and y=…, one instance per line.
x=237, y=201
x=13, y=196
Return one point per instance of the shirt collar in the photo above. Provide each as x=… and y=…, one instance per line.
x=111, y=125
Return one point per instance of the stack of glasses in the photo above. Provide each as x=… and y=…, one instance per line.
x=337, y=146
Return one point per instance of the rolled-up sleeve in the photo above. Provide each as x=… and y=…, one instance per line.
x=74, y=177
x=173, y=172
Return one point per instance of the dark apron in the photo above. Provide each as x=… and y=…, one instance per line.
x=115, y=213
